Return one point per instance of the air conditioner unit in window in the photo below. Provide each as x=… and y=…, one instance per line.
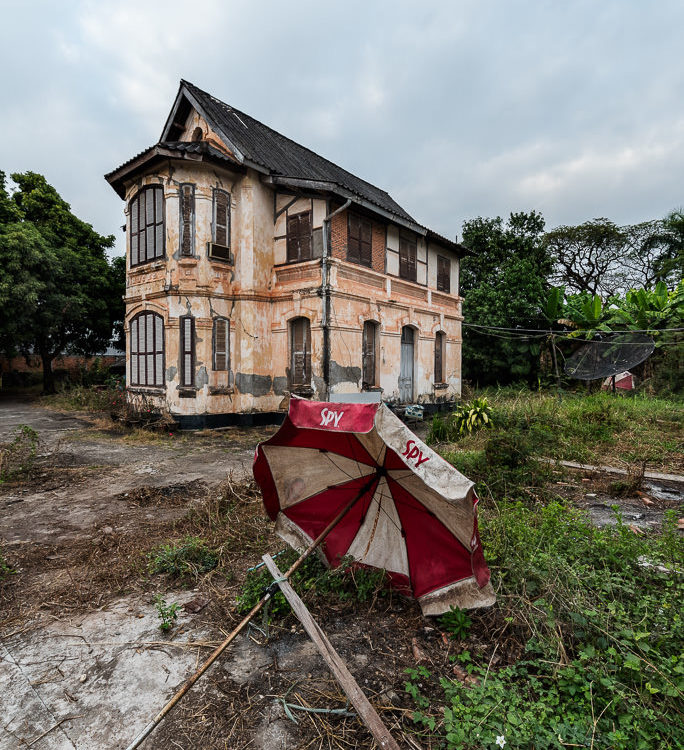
x=219, y=252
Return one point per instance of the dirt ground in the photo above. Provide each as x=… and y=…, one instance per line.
x=83, y=663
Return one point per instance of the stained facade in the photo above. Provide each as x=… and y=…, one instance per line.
x=257, y=269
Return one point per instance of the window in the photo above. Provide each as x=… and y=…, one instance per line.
x=220, y=228
x=187, y=219
x=299, y=237
x=187, y=352
x=368, y=355
x=407, y=258
x=440, y=341
x=221, y=344
x=359, y=240
x=300, y=353
x=147, y=225
x=443, y=274
x=147, y=349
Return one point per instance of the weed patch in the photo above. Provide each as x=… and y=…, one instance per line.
x=18, y=456
x=602, y=663
x=190, y=557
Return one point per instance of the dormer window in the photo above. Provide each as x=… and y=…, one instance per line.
x=147, y=225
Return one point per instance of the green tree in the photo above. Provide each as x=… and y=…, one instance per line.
x=58, y=291
x=502, y=281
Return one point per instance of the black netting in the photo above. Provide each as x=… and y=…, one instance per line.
x=609, y=355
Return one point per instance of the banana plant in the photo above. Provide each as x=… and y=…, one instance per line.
x=649, y=310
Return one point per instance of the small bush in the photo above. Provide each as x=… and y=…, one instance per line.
x=456, y=622
x=18, y=456
x=465, y=420
x=167, y=613
x=190, y=557
x=511, y=449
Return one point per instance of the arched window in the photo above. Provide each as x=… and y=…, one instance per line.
x=221, y=344
x=300, y=353
x=368, y=367
x=147, y=349
x=147, y=225
x=440, y=345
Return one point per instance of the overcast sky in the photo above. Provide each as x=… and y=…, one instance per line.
x=458, y=109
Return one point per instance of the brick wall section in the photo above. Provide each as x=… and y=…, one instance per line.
x=338, y=236
x=338, y=241
x=378, y=241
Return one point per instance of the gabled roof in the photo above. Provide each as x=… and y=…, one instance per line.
x=279, y=159
x=262, y=147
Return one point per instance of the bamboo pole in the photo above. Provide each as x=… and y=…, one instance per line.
x=248, y=617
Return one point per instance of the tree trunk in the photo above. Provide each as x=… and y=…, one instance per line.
x=48, y=375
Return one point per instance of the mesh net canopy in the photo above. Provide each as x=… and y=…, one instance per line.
x=611, y=354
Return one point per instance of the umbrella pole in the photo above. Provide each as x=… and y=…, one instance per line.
x=247, y=618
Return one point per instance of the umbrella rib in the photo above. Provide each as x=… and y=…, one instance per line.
x=346, y=473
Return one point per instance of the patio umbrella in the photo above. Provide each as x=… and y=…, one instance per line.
x=408, y=511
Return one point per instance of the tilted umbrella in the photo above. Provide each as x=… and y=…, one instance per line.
x=409, y=512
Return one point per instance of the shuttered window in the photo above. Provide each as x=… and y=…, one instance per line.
x=187, y=351
x=187, y=219
x=443, y=274
x=407, y=258
x=440, y=339
x=368, y=361
x=300, y=352
x=299, y=237
x=146, y=212
x=359, y=240
x=221, y=218
x=147, y=349
x=221, y=344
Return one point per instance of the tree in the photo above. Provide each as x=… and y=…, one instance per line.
x=58, y=291
x=502, y=281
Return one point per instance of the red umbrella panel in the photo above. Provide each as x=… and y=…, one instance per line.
x=416, y=516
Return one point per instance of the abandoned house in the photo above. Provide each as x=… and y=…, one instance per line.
x=258, y=269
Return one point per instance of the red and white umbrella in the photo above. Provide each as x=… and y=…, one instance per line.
x=415, y=515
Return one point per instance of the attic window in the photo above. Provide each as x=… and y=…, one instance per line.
x=197, y=134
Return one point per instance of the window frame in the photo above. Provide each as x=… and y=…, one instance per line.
x=186, y=225
x=369, y=336
x=214, y=222
x=184, y=352
x=137, y=356
x=440, y=352
x=306, y=379
x=408, y=257
x=214, y=339
x=157, y=226
x=444, y=274
x=293, y=241
x=359, y=250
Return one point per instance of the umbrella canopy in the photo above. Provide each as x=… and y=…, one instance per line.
x=415, y=516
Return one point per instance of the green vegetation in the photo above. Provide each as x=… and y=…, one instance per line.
x=167, y=613
x=599, y=428
x=344, y=583
x=85, y=398
x=601, y=662
x=190, y=557
x=6, y=569
x=18, y=456
x=464, y=420
x=456, y=622
x=55, y=272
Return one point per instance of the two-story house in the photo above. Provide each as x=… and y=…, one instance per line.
x=257, y=268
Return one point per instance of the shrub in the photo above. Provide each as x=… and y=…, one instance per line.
x=464, y=420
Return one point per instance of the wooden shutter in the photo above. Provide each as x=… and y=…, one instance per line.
x=301, y=352
x=187, y=218
x=159, y=221
x=443, y=274
x=439, y=342
x=368, y=361
x=158, y=350
x=221, y=344
x=135, y=206
x=359, y=240
x=221, y=218
x=365, y=249
x=187, y=351
x=407, y=259
x=134, y=352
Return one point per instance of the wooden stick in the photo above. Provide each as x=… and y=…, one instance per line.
x=337, y=666
x=245, y=621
